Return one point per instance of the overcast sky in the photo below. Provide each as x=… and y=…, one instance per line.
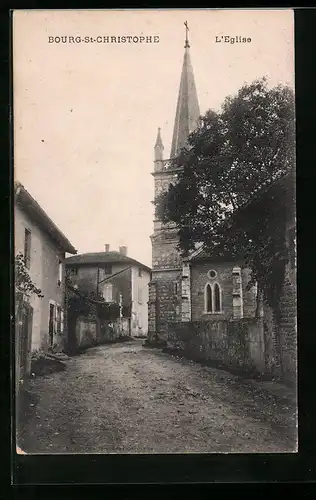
x=86, y=115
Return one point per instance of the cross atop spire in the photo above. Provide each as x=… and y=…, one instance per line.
x=186, y=45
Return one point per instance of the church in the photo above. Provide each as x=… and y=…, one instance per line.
x=198, y=287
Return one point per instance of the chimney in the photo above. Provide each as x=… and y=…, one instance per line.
x=123, y=250
x=106, y=247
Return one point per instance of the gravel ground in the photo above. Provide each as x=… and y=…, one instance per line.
x=125, y=398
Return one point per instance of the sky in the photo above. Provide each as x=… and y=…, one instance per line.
x=86, y=114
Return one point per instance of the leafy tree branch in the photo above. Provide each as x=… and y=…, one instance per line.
x=23, y=281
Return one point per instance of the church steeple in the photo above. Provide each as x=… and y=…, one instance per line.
x=159, y=147
x=158, y=153
x=188, y=111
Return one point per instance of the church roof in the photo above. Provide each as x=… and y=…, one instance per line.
x=188, y=111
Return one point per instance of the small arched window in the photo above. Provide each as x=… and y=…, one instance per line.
x=217, y=298
x=208, y=299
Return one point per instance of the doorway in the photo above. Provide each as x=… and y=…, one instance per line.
x=51, y=324
x=24, y=321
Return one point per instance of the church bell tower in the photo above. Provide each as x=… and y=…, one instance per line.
x=165, y=290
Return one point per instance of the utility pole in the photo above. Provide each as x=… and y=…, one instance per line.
x=98, y=323
x=121, y=311
x=98, y=279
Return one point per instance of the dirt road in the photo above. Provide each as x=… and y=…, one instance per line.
x=125, y=398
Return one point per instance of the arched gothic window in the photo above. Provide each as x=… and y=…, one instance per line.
x=208, y=299
x=217, y=298
x=213, y=298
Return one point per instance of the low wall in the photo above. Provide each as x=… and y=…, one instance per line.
x=111, y=331
x=237, y=344
x=87, y=331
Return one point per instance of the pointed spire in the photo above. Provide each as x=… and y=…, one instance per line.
x=188, y=111
x=159, y=147
x=159, y=140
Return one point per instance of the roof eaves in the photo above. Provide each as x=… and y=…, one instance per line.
x=87, y=259
x=31, y=206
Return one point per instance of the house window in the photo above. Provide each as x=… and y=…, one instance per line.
x=27, y=248
x=107, y=269
x=108, y=292
x=175, y=288
x=217, y=298
x=140, y=296
x=74, y=271
x=60, y=272
x=139, y=272
x=208, y=299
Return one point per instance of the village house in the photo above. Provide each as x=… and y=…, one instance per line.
x=117, y=279
x=202, y=298
x=39, y=320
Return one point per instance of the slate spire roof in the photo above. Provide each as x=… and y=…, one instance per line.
x=188, y=111
x=159, y=140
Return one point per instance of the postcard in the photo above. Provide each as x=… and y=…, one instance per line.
x=155, y=231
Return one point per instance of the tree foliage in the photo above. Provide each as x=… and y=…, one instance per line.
x=231, y=157
x=23, y=282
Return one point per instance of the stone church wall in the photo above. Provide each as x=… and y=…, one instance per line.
x=224, y=278
x=168, y=299
x=247, y=344
x=165, y=254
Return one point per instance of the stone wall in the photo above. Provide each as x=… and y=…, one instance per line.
x=87, y=331
x=152, y=309
x=288, y=327
x=249, y=343
x=237, y=344
x=281, y=342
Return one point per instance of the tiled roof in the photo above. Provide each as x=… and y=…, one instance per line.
x=38, y=215
x=104, y=258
